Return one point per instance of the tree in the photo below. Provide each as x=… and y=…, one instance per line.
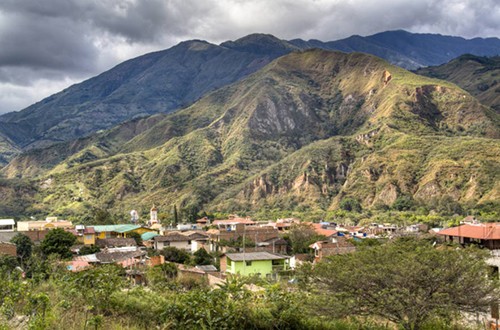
x=137, y=237
x=96, y=286
x=301, y=236
x=57, y=241
x=407, y=282
x=24, y=247
x=89, y=249
x=202, y=257
x=350, y=204
x=403, y=203
x=176, y=215
x=101, y=217
x=161, y=275
x=174, y=254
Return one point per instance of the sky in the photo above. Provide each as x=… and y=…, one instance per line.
x=46, y=46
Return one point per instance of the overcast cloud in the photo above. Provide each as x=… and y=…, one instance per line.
x=48, y=45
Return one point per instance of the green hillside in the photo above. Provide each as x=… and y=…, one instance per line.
x=304, y=132
x=479, y=76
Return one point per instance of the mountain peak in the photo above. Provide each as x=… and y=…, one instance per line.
x=260, y=43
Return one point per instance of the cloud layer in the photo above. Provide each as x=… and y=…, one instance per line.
x=48, y=45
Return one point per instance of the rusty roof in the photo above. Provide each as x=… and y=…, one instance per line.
x=486, y=231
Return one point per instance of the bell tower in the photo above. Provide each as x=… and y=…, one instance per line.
x=153, y=215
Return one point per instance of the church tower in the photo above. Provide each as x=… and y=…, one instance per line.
x=153, y=215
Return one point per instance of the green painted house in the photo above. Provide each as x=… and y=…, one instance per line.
x=264, y=264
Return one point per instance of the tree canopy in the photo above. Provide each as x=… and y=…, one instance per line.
x=24, y=247
x=301, y=236
x=174, y=254
x=407, y=281
x=57, y=241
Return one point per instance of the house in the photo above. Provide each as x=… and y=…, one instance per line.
x=7, y=225
x=85, y=235
x=263, y=264
x=470, y=219
x=113, y=231
x=233, y=221
x=189, y=240
x=333, y=246
x=323, y=229
x=115, y=242
x=205, y=221
x=219, y=237
x=147, y=239
x=417, y=228
x=49, y=223
x=483, y=234
x=382, y=229
x=123, y=257
x=77, y=265
x=8, y=249
x=272, y=245
x=284, y=224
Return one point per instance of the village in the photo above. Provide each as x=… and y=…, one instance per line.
x=231, y=256
x=233, y=246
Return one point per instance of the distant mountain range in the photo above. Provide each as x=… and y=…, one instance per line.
x=304, y=132
x=172, y=79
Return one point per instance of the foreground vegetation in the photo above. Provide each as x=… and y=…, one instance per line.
x=406, y=283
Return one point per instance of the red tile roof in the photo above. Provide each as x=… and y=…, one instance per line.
x=487, y=231
x=318, y=228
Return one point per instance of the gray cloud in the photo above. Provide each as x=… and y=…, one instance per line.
x=46, y=45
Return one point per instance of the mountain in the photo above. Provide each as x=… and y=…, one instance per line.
x=409, y=50
x=171, y=79
x=153, y=83
x=306, y=131
x=480, y=76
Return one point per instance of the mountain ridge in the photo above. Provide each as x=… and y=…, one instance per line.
x=306, y=131
x=164, y=81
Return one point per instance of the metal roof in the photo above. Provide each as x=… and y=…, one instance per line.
x=116, y=228
x=6, y=222
x=149, y=235
x=207, y=268
x=255, y=256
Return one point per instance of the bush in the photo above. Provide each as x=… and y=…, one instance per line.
x=176, y=255
x=403, y=203
x=350, y=204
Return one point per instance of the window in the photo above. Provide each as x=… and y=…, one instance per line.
x=248, y=263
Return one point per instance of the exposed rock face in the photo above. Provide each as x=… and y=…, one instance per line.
x=307, y=130
x=386, y=77
x=387, y=196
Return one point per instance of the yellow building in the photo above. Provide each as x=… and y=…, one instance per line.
x=112, y=231
x=85, y=235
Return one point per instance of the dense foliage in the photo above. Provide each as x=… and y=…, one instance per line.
x=408, y=283
x=58, y=241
